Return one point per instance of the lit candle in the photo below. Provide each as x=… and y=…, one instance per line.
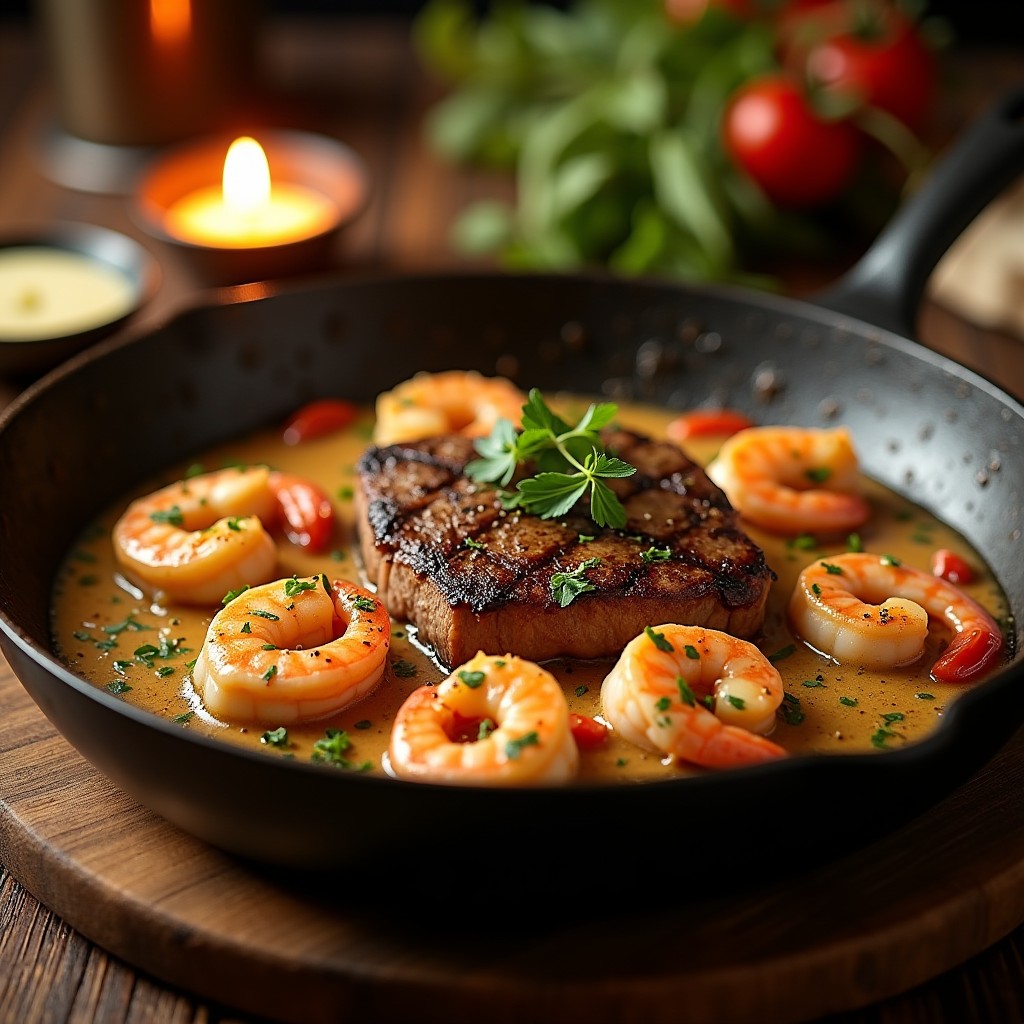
x=47, y=292
x=247, y=209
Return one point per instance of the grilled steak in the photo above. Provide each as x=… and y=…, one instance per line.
x=471, y=576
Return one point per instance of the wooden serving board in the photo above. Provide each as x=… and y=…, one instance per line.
x=451, y=943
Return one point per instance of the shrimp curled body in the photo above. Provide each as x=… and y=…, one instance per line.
x=866, y=609
x=495, y=721
x=292, y=651
x=792, y=480
x=451, y=402
x=195, y=540
x=654, y=696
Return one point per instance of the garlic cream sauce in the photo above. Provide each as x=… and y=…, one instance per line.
x=112, y=634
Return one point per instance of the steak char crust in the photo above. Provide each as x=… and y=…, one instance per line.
x=471, y=576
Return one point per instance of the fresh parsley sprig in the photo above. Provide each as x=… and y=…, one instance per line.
x=571, y=460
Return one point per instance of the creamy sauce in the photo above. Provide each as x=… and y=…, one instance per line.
x=100, y=621
x=50, y=293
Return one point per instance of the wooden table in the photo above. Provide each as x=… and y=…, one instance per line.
x=357, y=81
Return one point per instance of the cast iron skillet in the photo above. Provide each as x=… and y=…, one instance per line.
x=924, y=426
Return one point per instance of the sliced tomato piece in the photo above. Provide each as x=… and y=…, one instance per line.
x=588, y=733
x=970, y=655
x=315, y=419
x=307, y=515
x=950, y=566
x=707, y=422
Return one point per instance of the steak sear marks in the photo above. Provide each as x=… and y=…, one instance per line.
x=470, y=576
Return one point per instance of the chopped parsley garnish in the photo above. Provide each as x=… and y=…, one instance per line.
x=790, y=710
x=890, y=560
x=854, y=543
x=573, y=461
x=346, y=492
x=818, y=475
x=130, y=624
x=472, y=679
x=515, y=747
x=485, y=728
x=691, y=652
x=296, y=586
x=404, y=669
x=653, y=554
x=246, y=627
x=364, y=723
x=118, y=686
x=658, y=639
x=832, y=569
x=581, y=691
x=812, y=683
x=275, y=737
x=803, y=542
x=173, y=516
x=925, y=696
x=850, y=702
x=365, y=604
x=567, y=586
x=476, y=545
x=261, y=614
x=270, y=673
x=232, y=594
x=331, y=750
x=685, y=693
x=782, y=652
x=184, y=718
x=737, y=702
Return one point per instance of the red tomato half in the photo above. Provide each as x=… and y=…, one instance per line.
x=951, y=567
x=869, y=52
x=886, y=65
x=317, y=418
x=587, y=732
x=707, y=423
x=307, y=515
x=798, y=159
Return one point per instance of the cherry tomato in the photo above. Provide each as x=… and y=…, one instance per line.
x=707, y=422
x=798, y=159
x=317, y=418
x=307, y=515
x=950, y=566
x=588, y=733
x=884, y=63
x=869, y=52
x=968, y=656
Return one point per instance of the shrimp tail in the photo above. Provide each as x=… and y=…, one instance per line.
x=728, y=747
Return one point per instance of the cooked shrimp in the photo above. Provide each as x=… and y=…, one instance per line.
x=792, y=480
x=195, y=540
x=656, y=696
x=293, y=650
x=495, y=721
x=452, y=402
x=869, y=610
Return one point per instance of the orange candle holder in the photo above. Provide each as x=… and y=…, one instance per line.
x=316, y=186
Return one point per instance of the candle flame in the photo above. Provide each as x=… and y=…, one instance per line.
x=170, y=21
x=246, y=183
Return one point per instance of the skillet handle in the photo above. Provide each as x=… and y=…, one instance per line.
x=886, y=285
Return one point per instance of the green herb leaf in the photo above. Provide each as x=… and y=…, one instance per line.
x=567, y=586
x=658, y=639
x=571, y=461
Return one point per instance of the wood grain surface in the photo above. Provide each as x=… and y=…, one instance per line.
x=109, y=914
